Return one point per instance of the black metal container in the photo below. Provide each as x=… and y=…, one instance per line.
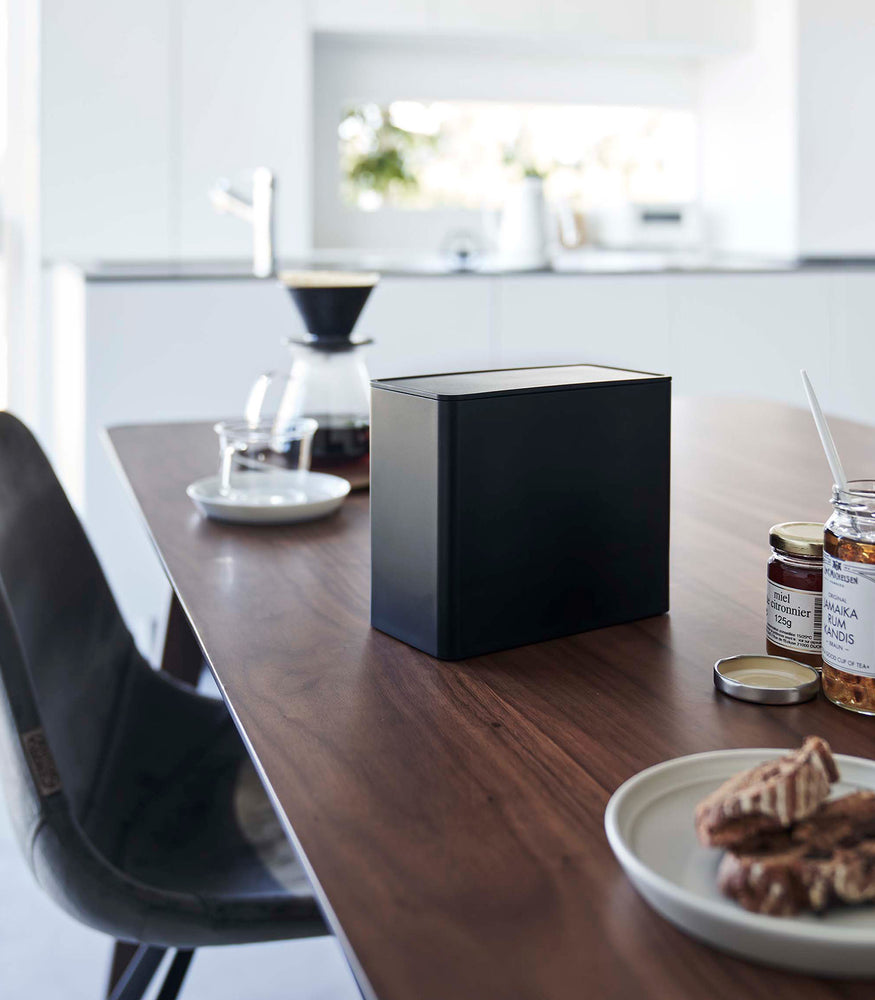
x=513, y=506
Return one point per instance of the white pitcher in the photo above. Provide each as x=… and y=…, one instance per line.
x=521, y=235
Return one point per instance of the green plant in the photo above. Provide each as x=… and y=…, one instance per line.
x=380, y=158
x=380, y=171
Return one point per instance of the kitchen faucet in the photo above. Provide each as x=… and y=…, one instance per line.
x=258, y=212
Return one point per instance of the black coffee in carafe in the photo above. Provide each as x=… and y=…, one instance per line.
x=340, y=439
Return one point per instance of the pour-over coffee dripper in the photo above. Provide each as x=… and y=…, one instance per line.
x=330, y=302
x=329, y=380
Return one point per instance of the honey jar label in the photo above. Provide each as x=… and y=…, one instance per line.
x=793, y=618
x=849, y=616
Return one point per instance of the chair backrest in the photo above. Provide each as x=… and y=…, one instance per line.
x=65, y=653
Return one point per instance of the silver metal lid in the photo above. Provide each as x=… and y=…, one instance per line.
x=767, y=680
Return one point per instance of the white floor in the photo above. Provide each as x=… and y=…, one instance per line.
x=46, y=954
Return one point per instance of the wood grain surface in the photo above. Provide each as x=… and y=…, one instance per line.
x=451, y=814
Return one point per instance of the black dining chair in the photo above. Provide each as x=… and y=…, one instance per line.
x=132, y=796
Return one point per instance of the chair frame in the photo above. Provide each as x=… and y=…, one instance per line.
x=47, y=811
x=140, y=970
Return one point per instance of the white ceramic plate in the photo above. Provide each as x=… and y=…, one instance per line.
x=323, y=495
x=649, y=823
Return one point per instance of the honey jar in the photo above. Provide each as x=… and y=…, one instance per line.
x=849, y=598
x=793, y=591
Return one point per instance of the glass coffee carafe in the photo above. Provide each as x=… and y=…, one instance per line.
x=329, y=379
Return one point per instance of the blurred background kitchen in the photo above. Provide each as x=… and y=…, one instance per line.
x=681, y=186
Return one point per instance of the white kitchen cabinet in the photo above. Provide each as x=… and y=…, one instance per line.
x=750, y=334
x=623, y=21
x=144, y=107
x=243, y=100
x=853, y=350
x=702, y=26
x=492, y=16
x=835, y=100
x=725, y=334
x=693, y=26
x=426, y=325
x=106, y=129
x=132, y=351
x=450, y=16
x=377, y=16
x=612, y=320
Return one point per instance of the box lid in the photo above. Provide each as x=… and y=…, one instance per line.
x=505, y=381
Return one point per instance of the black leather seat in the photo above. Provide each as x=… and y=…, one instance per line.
x=132, y=796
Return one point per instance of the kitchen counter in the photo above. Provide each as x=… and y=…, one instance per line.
x=718, y=327
x=398, y=264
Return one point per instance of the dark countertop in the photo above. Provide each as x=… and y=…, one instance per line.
x=413, y=265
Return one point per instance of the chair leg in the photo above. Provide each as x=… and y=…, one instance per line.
x=175, y=974
x=141, y=969
x=122, y=954
x=182, y=657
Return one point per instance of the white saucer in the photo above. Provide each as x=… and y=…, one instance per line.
x=649, y=823
x=281, y=502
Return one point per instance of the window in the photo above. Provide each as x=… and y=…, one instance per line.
x=462, y=154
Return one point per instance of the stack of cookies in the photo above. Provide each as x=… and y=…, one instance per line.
x=788, y=849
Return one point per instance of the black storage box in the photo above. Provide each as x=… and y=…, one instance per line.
x=513, y=506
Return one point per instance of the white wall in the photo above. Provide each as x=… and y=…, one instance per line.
x=20, y=288
x=788, y=143
x=349, y=69
x=678, y=27
x=106, y=127
x=244, y=101
x=145, y=105
x=836, y=131
x=748, y=128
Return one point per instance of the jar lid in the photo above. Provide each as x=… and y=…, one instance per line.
x=767, y=680
x=798, y=538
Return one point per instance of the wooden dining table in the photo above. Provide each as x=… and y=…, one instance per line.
x=451, y=814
